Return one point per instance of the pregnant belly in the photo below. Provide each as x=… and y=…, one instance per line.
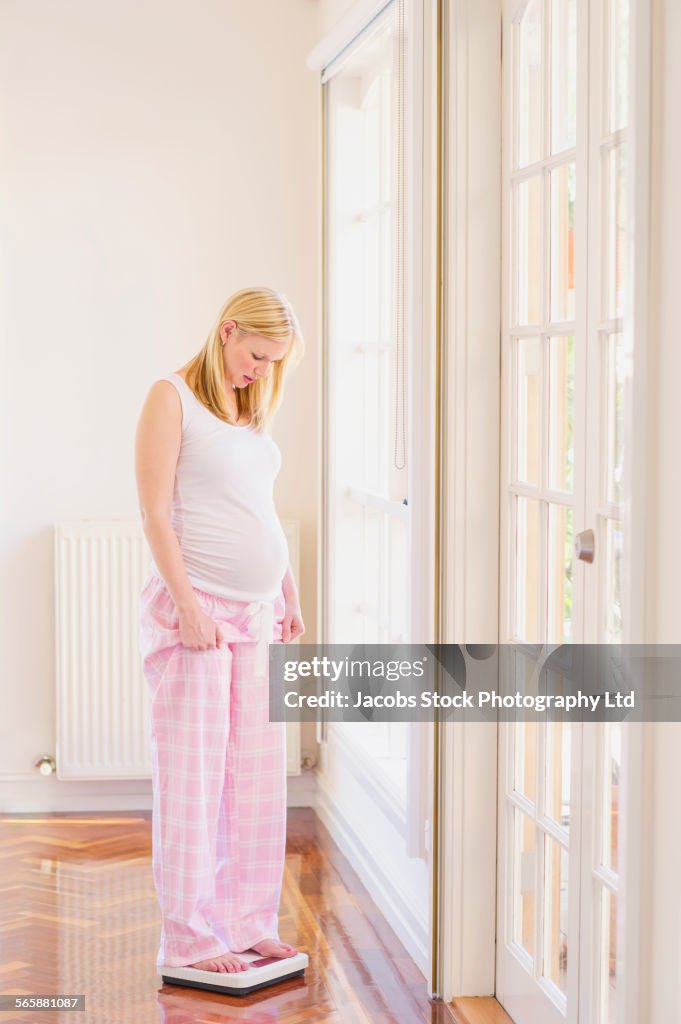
x=251, y=557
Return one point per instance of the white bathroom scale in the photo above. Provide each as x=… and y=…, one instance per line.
x=263, y=970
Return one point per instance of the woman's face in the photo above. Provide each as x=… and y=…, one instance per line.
x=248, y=357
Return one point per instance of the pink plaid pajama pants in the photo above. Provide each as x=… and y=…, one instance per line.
x=219, y=777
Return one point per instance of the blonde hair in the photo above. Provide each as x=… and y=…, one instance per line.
x=261, y=311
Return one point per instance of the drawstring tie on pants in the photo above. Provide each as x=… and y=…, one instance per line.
x=261, y=628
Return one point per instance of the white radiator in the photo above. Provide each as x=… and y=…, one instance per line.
x=102, y=700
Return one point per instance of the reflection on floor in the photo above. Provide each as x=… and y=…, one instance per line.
x=79, y=915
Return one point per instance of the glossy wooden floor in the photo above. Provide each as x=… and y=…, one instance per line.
x=477, y=1010
x=78, y=915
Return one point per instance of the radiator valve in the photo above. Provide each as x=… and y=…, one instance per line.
x=46, y=765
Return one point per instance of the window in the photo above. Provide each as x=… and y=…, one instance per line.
x=367, y=500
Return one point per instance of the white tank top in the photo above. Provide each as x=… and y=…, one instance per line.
x=223, y=512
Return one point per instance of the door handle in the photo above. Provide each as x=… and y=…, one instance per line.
x=585, y=545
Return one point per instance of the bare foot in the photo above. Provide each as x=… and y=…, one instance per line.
x=223, y=964
x=270, y=947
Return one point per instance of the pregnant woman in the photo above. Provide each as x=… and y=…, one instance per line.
x=220, y=590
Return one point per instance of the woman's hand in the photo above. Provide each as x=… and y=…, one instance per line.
x=292, y=623
x=198, y=631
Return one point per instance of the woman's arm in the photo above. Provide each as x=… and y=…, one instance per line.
x=157, y=447
x=292, y=624
x=288, y=586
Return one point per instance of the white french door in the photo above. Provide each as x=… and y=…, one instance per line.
x=564, y=365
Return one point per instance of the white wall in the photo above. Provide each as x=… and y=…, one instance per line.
x=154, y=157
x=331, y=12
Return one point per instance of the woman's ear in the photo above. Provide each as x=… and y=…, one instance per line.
x=227, y=327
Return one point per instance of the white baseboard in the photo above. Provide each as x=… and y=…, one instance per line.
x=302, y=789
x=37, y=795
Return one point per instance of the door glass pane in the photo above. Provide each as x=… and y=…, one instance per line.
x=607, y=1002
x=611, y=769
x=524, y=872
x=613, y=581
x=528, y=591
x=525, y=743
x=529, y=409
x=529, y=261
x=370, y=580
x=563, y=74
x=615, y=412
x=398, y=589
x=370, y=467
x=560, y=548
x=563, y=190
x=348, y=614
x=558, y=754
x=619, y=63
x=616, y=228
x=561, y=412
x=374, y=245
x=555, y=913
x=528, y=36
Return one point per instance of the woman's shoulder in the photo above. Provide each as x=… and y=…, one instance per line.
x=178, y=387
